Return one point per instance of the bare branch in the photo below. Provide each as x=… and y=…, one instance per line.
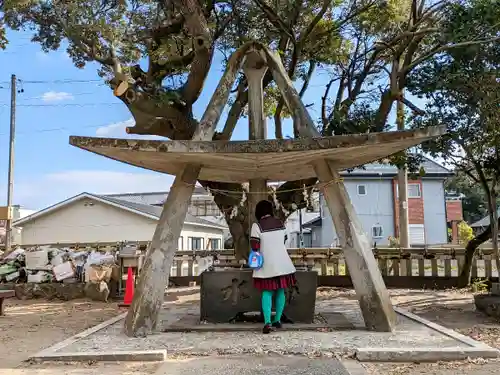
x=305, y=34
x=410, y=105
x=275, y=19
x=324, y=118
x=307, y=79
x=235, y=112
x=438, y=49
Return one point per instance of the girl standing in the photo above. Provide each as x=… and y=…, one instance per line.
x=268, y=236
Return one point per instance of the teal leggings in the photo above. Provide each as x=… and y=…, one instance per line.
x=267, y=304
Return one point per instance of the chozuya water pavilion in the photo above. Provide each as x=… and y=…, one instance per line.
x=257, y=161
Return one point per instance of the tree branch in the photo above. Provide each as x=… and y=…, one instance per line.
x=275, y=19
x=410, y=105
x=324, y=118
x=235, y=112
x=319, y=16
x=307, y=79
x=197, y=26
x=438, y=49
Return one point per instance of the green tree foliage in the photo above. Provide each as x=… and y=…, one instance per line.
x=465, y=233
x=368, y=47
x=463, y=93
x=474, y=204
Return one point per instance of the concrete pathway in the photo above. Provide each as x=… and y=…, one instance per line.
x=263, y=365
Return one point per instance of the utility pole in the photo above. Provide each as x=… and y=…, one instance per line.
x=10, y=188
x=404, y=235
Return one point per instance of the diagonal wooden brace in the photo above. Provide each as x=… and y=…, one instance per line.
x=142, y=317
x=371, y=291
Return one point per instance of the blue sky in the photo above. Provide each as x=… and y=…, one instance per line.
x=47, y=168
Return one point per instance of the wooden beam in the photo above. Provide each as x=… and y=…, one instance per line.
x=373, y=296
x=255, y=68
x=142, y=317
x=371, y=291
x=389, y=141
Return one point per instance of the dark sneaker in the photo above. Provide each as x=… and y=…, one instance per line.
x=267, y=329
x=277, y=325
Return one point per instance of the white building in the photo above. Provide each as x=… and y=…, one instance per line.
x=90, y=218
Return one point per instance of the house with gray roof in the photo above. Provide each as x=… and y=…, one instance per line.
x=482, y=224
x=93, y=218
x=374, y=194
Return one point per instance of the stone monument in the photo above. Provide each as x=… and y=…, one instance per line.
x=258, y=161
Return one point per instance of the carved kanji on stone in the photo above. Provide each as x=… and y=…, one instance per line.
x=235, y=291
x=292, y=292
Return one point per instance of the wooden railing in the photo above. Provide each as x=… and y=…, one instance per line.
x=441, y=262
x=411, y=268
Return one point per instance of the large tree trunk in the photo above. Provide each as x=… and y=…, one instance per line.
x=239, y=229
x=470, y=251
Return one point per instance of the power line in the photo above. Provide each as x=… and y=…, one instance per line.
x=62, y=81
x=55, y=81
x=63, y=105
x=40, y=97
x=47, y=130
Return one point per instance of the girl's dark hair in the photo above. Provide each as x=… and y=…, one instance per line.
x=263, y=208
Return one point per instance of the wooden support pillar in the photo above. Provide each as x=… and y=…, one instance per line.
x=255, y=68
x=371, y=291
x=142, y=317
x=374, y=298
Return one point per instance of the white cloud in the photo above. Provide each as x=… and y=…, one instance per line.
x=56, y=96
x=117, y=129
x=42, y=56
x=38, y=192
x=65, y=56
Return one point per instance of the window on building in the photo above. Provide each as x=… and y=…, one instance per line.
x=414, y=191
x=377, y=231
x=203, y=208
x=214, y=243
x=212, y=209
x=180, y=244
x=361, y=189
x=196, y=243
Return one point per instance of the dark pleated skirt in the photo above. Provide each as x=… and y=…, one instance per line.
x=275, y=283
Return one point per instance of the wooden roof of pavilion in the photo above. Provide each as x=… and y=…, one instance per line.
x=271, y=159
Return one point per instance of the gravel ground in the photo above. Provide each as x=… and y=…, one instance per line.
x=408, y=335
x=453, y=309
x=50, y=322
x=30, y=326
x=84, y=369
x=254, y=365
